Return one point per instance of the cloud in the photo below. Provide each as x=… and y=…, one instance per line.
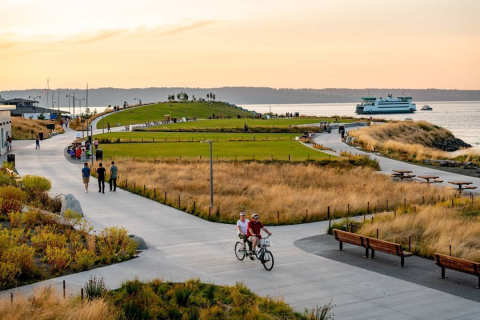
x=162, y=31
x=84, y=38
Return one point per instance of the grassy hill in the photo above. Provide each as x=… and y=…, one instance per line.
x=157, y=112
x=27, y=129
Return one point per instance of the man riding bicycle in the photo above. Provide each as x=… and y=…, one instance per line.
x=242, y=226
x=254, y=230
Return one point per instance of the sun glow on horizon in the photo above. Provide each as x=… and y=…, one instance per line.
x=211, y=43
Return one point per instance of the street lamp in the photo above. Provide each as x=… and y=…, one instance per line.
x=80, y=103
x=211, y=171
x=34, y=99
x=139, y=101
x=69, y=95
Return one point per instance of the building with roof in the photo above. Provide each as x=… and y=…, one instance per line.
x=5, y=126
x=29, y=108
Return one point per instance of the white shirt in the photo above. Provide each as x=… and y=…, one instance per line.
x=243, y=226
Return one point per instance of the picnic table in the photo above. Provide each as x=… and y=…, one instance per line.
x=402, y=174
x=460, y=185
x=428, y=178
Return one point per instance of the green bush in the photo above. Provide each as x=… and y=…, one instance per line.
x=115, y=244
x=12, y=199
x=8, y=274
x=85, y=259
x=46, y=236
x=36, y=184
x=58, y=259
x=95, y=288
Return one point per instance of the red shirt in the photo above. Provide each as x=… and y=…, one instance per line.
x=255, y=226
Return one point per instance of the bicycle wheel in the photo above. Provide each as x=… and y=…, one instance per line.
x=239, y=251
x=267, y=260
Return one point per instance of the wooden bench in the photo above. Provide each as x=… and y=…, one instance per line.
x=371, y=244
x=387, y=247
x=465, y=266
x=437, y=181
x=14, y=175
x=352, y=238
x=469, y=188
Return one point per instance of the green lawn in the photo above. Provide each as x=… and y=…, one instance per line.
x=238, y=123
x=240, y=150
x=157, y=112
x=139, y=136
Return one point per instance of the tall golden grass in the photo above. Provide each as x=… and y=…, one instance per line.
x=25, y=129
x=47, y=304
x=407, y=137
x=280, y=193
x=433, y=228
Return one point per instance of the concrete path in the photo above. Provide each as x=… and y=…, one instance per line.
x=182, y=246
x=334, y=141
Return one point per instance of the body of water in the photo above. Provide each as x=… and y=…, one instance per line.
x=462, y=118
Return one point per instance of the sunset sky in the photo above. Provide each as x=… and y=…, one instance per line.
x=211, y=43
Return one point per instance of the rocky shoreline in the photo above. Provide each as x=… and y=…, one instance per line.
x=450, y=145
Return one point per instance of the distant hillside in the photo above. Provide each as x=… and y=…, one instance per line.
x=246, y=95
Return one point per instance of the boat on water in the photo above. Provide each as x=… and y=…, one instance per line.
x=426, y=108
x=372, y=105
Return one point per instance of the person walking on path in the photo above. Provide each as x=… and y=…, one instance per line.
x=101, y=178
x=108, y=127
x=113, y=177
x=86, y=176
x=95, y=142
x=37, y=142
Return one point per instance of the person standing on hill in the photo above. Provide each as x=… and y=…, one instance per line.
x=108, y=127
x=37, y=142
x=113, y=177
x=101, y=178
x=86, y=176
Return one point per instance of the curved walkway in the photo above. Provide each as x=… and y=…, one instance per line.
x=334, y=141
x=182, y=246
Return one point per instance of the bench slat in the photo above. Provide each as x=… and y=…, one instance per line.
x=457, y=264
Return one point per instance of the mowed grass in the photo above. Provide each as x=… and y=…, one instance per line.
x=137, y=136
x=157, y=112
x=239, y=150
x=239, y=123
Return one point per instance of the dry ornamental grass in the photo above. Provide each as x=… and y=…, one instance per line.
x=24, y=129
x=268, y=189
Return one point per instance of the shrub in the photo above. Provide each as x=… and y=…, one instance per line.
x=12, y=198
x=8, y=273
x=21, y=256
x=15, y=219
x=46, y=237
x=30, y=217
x=85, y=259
x=58, y=259
x=73, y=218
x=95, y=288
x=5, y=180
x=36, y=184
x=114, y=244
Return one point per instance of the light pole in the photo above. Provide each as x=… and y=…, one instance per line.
x=34, y=99
x=211, y=171
x=148, y=111
x=69, y=95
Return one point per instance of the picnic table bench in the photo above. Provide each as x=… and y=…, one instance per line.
x=462, y=185
x=371, y=244
x=402, y=174
x=465, y=266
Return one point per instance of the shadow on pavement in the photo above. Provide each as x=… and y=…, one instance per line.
x=418, y=270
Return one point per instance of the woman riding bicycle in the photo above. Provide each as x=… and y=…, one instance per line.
x=242, y=226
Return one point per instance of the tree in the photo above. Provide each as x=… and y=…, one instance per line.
x=193, y=98
x=213, y=97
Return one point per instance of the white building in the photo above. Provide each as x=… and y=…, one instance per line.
x=5, y=126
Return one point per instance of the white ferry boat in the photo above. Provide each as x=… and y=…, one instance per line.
x=370, y=105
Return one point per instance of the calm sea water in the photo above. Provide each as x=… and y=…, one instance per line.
x=462, y=118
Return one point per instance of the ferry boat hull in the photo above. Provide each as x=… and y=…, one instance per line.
x=361, y=110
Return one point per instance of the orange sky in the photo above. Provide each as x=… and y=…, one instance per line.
x=295, y=44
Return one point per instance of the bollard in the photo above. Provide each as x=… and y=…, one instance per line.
x=306, y=214
x=404, y=202
x=348, y=209
x=11, y=297
x=423, y=199
x=364, y=218
x=64, y=289
x=368, y=206
x=194, y=206
x=409, y=243
x=154, y=193
x=377, y=233
x=81, y=293
x=209, y=211
x=288, y=157
x=372, y=219
x=328, y=212
x=414, y=209
x=395, y=214
x=143, y=189
x=178, y=201
x=278, y=217
x=452, y=203
x=271, y=158
x=450, y=250
x=165, y=197
x=126, y=184
x=253, y=158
